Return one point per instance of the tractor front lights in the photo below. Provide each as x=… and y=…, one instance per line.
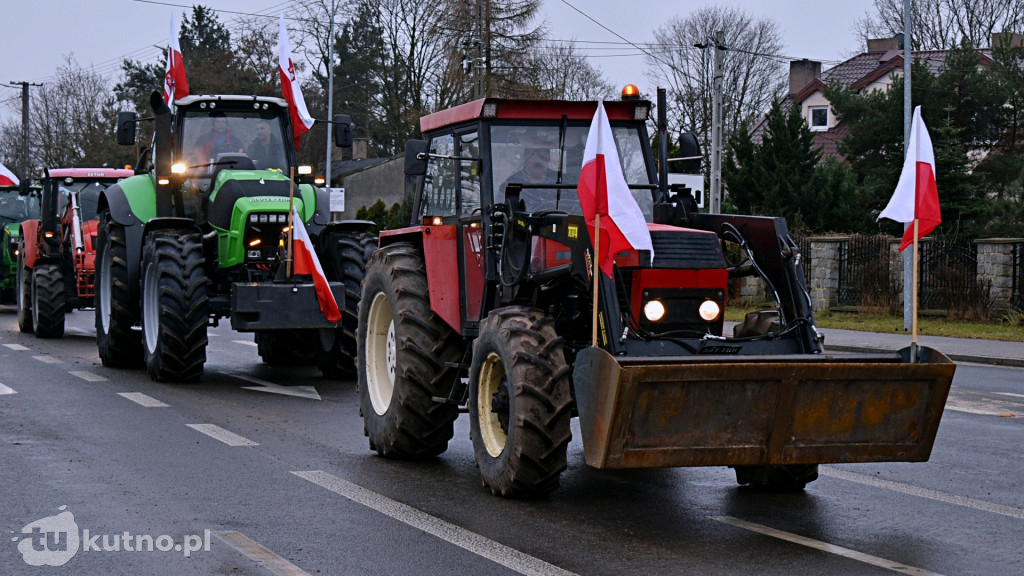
x=305, y=170
x=48, y=235
x=319, y=181
x=710, y=310
x=178, y=168
x=255, y=242
x=163, y=181
x=654, y=310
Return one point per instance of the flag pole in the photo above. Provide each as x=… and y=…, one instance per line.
x=597, y=247
x=291, y=224
x=913, y=332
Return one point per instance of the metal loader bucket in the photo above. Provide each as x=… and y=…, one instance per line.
x=638, y=412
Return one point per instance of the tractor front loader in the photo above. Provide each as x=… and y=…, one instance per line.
x=199, y=234
x=509, y=335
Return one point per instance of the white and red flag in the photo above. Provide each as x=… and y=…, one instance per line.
x=603, y=191
x=7, y=178
x=175, y=83
x=916, y=195
x=305, y=262
x=301, y=120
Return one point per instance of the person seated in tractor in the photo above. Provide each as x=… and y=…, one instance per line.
x=265, y=150
x=218, y=140
x=539, y=155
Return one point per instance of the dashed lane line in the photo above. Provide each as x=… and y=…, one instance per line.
x=5, y=390
x=88, y=376
x=825, y=547
x=47, y=359
x=245, y=343
x=16, y=346
x=257, y=553
x=265, y=386
x=981, y=505
x=226, y=436
x=143, y=400
x=498, y=553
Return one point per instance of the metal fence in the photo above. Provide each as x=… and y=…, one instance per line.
x=864, y=272
x=948, y=273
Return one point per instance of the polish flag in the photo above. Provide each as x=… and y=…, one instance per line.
x=7, y=178
x=305, y=262
x=916, y=195
x=603, y=190
x=175, y=83
x=301, y=120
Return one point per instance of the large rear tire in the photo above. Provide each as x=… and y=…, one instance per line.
x=345, y=255
x=520, y=403
x=407, y=356
x=175, y=307
x=288, y=347
x=116, y=312
x=24, y=289
x=48, y=301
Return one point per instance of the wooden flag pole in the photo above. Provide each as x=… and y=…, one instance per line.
x=597, y=245
x=913, y=297
x=291, y=224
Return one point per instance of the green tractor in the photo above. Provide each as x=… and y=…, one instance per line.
x=199, y=234
x=15, y=208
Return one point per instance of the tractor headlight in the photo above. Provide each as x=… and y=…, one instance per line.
x=654, y=310
x=178, y=168
x=709, y=310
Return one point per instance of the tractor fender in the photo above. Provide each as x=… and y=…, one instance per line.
x=29, y=242
x=439, y=245
x=354, y=226
x=169, y=223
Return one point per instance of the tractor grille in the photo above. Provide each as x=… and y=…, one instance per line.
x=685, y=249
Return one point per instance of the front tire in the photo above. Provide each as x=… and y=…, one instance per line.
x=520, y=403
x=175, y=308
x=345, y=256
x=407, y=356
x=24, y=289
x=119, y=346
x=48, y=301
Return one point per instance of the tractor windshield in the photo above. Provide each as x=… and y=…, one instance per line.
x=17, y=208
x=257, y=134
x=545, y=155
x=88, y=194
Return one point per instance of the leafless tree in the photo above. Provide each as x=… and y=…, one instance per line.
x=942, y=24
x=754, y=73
x=558, y=71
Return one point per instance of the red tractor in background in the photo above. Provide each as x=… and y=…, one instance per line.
x=56, y=256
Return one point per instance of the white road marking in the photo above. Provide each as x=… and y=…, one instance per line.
x=47, y=359
x=498, y=553
x=981, y=505
x=245, y=342
x=825, y=547
x=143, y=400
x=265, y=386
x=1010, y=394
x=88, y=376
x=973, y=403
x=16, y=347
x=5, y=390
x=225, y=436
x=257, y=553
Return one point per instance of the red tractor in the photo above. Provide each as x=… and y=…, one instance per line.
x=485, y=302
x=56, y=256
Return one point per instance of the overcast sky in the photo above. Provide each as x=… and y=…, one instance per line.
x=39, y=34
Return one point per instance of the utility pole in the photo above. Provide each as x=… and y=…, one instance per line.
x=25, y=168
x=716, y=125
x=478, y=89
x=330, y=91
x=908, y=257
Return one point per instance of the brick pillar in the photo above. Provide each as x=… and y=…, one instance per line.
x=824, y=280
x=995, y=264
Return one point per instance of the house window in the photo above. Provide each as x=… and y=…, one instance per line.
x=819, y=118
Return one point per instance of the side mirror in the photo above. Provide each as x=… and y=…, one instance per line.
x=689, y=150
x=342, y=126
x=126, y=124
x=416, y=157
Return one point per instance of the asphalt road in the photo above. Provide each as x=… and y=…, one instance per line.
x=285, y=484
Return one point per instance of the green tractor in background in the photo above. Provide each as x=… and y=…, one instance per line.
x=15, y=208
x=198, y=234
